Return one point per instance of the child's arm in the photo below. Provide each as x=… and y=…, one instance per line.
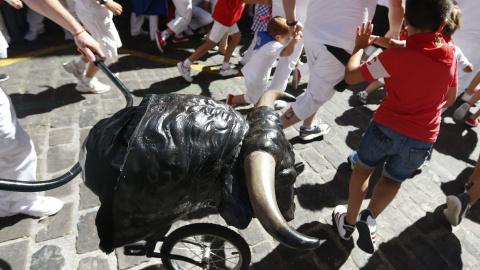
x=387, y=42
x=114, y=7
x=353, y=74
x=451, y=96
x=288, y=50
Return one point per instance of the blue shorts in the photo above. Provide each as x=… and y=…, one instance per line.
x=401, y=154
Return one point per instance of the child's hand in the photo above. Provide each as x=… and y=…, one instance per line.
x=364, y=36
x=298, y=35
x=114, y=7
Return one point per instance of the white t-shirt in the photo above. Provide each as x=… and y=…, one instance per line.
x=334, y=22
x=462, y=60
x=470, y=29
x=300, y=9
x=258, y=69
x=383, y=3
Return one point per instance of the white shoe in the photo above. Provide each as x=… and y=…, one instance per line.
x=461, y=111
x=30, y=36
x=184, y=71
x=73, y=68
x=39, y=207
x=228, y=72
x=94, y=86
x=189, y=31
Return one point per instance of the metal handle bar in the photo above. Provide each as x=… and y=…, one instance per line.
x=34, y=186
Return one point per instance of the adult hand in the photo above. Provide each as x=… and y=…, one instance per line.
x=364, y=36
x=15, y=3
x=114, y=7
x=87, y=46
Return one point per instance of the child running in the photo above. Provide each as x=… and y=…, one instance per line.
x=96, y=17
x=420, y=79
x=269, y=46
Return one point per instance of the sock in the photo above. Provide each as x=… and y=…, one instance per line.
x=230, y=99
x=80, y=63
x=187, y=63
x=165, y=34
x=309, y=127
x=87, y=80
x=225, y=65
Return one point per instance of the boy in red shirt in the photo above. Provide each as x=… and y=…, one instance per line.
x=225, y=17
x=420, y=80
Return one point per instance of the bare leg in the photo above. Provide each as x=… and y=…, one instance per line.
x=309, y=121
x=473, y=84
x=231, y=46
x=383, y=194
x=239, y=99
x=373, y=86
x=289, y=118
x=91, y=69
x=222, y=44
x=357, y=190
x=202, y=50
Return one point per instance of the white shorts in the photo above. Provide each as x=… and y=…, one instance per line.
x=98, y=22
x=325, y=72
x=254, y=91
x=219, y=30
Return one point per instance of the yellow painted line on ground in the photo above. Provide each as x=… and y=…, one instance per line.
x=173, y=62
x=29, y=55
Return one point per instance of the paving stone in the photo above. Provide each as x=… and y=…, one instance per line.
x=88, y=117
x=87, y=239
x=93, y=263
x=335, y=159
x=60, y=158
x=62, y=191
x=14, y=256
x=87, y=198
x=60, y=136
x=409, y=209
x=255, y=233
x=316, y=161
x=471, y=243
x=427, y=185
x=126, y=262
x=426, y=253
x=47, y=258
x=15, y=227
x=58, y=225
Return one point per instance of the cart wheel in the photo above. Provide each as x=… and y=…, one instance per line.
x=217, y=246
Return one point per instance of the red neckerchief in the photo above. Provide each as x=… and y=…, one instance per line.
x=433, y=45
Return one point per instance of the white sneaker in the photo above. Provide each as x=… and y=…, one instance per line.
x=94, y=86
x=184, y=71
x=39, y=207
x=189, y=31
x=461, y=111
x=228, y=72
x=73, y=68
x=31, y=36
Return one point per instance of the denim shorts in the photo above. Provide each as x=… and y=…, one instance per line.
x=401, y=154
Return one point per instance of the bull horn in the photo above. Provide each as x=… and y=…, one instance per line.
x=269, y=97
x=260, y=175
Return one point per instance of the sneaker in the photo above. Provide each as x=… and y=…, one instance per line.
x=4, y=77
x=316, y=131
x=471, y=122
x=468, y=186
x=367, y=227
x=178, y=39
x=31, y=35
x=352, y=159
x=425, y=163
x=242, y=63
x=228, y=72
x=94, y=87
x=184, y=71
x=279, y=104
x=229, y=99
x=38, y=207
x=73, y=68
x=338, y=218
x=362, y=96
x=189, y=31
x=296, y=78
x=461, y=111
x=457, y=207
x=161, y=42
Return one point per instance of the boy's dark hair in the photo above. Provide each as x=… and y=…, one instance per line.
x=278, y=26
x=454, y=21
x=427, y=15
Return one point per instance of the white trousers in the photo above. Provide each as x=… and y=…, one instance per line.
x=183, y=16
x=284, y=67
x=200, y=17
x=18, y=159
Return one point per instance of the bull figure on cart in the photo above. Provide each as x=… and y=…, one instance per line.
x=154, y=163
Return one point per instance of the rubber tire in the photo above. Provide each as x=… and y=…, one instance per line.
x=206, y=229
